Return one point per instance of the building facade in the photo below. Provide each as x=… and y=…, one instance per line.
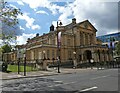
x=111, y=41
x=110, y=37
x=77, y=41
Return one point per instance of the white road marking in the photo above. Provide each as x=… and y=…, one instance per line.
x=87, y=89
x=58, y=81
x=100, y=77
x=61, y=84
x=54, y=85
x=68, y=83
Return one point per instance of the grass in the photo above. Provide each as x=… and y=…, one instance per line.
x=14, y=68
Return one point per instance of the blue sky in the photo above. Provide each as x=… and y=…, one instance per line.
x=38, y=15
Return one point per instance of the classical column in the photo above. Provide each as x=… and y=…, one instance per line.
x=80, y=38
x=91, y=39
x=96, y=57
x=77, y=38
x=88, y=39
x=94, y=38
x=106, y=56
x=82, y=57
x=101, y=56
x=83, y=38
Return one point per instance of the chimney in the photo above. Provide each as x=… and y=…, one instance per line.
x=74, y=20
x=52, y=28
x=37, y=34
x=28, y=39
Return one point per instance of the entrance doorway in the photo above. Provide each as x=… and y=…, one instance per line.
x=88, y=55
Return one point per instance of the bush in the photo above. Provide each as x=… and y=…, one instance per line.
x=4, y=67
x=12, y=63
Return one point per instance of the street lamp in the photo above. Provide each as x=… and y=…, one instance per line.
x=44, y=55
x=75, y=64
x=58, y=45
x=44, y=62
x=18, y=57
x=24, y=55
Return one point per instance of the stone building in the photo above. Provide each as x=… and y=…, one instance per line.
x=78, y=42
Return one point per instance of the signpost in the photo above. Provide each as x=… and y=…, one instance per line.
x=21, y=53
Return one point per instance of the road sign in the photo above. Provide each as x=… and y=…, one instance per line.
x=21, y=53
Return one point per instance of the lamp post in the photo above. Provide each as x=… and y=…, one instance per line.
x=58, y=45
x=44, y=55
x=24, y=61
x=75, y=64
x=18, y=57
x=112, y=42
x=44, y=61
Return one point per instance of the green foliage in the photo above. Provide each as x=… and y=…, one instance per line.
x=6, y=48
x=8, y=14
x=14, y=68
x=118, y=48
x=8, y=18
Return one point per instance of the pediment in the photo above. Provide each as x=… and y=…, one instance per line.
x=87, y=25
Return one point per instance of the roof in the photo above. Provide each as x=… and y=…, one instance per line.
x=71, y=25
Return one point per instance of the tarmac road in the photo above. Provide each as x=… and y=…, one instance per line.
x=89, y=80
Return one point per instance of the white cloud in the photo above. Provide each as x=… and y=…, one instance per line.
x=54, y=23
x=30, y=21
x=112, y=32
x=65, y=13
x=42, y=12
x=13, y=6
x=35, y=27
x=98, y=13
x=21, y=28
x=95, y=12
x=23, y=38
x=39, y=3
x=1, y=42
x=20, y=2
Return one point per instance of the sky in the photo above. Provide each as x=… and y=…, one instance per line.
x=38, y=15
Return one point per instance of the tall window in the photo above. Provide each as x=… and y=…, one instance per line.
x=91, y=39
x=32, y=55
x=68, y=42
x=40, y=55
x=53, y=41
x=44, y=41
x=86, y=39
x=56, y=54
x=69, y=54
x=48, y=54
x=53, y=54
x=81, y=38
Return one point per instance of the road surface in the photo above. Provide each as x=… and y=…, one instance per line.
x=82, y=81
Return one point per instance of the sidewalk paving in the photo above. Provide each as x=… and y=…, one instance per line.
x=49, y=72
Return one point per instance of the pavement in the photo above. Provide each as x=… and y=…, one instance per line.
x=49, y=72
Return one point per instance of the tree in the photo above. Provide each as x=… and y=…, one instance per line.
x=6, y=48
x=8, y=24
x=9, y=21
x=8, y=14
x=118, y=48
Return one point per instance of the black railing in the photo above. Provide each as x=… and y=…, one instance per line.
x=102, y=64
x=35, y=64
